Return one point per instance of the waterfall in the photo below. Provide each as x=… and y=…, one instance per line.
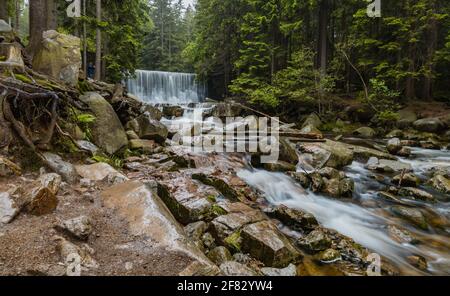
x=166, y=87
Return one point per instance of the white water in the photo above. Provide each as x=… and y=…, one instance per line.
x=166, y=87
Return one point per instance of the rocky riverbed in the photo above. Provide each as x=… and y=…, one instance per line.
x=325, y=208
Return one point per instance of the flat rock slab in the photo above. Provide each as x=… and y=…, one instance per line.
x=97, y=171
x=189, y=200
x=152, y=223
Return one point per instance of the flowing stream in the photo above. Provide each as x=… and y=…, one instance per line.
x=365, y=218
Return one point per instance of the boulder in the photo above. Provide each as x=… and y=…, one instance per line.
x=364, y=153
x=316, y=241
x=8, y=208
x=441, y=184
x=63, y=168
x=394, y=145
x=149, y=128
x=79, y=227
x=232, y=268
x=280, y=166
x=301, y=178
x=296, y=219
x=330, y=256
x=408, y=180
x=147, y=217
x=88, y=146
x=154, y=112
x=188, y=200
x=401, y=235
x=145, y=145
x=196, y=230
x=173, y=111
x=339, y=188
x=406, y=118
x=395, y=134
x=69, y=251
x=404, y=152
x=220, y=255
x=107, y=130
x=418, y=262
x=431, y=125
x=59, y=56
x=365, y=132
x=287, y=152
x=415, y=193
x=388, y=166
x=328, y=154
x=132, y=135
x=411, y=215
x=264, y=242
x=431, y=144
x=99, y=172
x=310, y=129
x=290, y=270
x=313, y=120
x=41, y=195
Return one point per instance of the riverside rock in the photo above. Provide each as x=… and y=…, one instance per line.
x=441, y=183
x=431, y=125
x=411, y=215
x=315, y=241
x=296, y=219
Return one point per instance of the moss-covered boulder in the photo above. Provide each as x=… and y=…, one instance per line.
x=107, y=130
x=59, y=56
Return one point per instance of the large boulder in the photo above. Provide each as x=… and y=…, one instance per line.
x=365, y=132
x=406, y=118
x=313, y=121
x=264, y=242
x=441, y=183
x=294, y=218
x=153, y=225
x=107, y=130
x=8, y=208
x=327, y=154
x=148, y=128
x=63, y=168
x=431, y=125
x=414, y=216
x=59, y=56
x=388, y=166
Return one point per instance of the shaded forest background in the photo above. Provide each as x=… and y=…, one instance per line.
x=276, y=54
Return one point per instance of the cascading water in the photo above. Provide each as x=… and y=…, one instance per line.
x=156, y=87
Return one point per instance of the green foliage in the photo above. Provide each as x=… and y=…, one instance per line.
x=381, y=98
x=114, y=160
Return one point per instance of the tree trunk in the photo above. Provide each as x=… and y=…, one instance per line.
x=4, y=10
x=38, y=24
x=84, y=40
x=323, y=36
x=17, y=16
x=431, y=48
x=51, y=15
x=98, y=53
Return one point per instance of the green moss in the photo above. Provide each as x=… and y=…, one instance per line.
x=2, y=58
x=23, y=78
x=233, y=241
x=217, y=210
x=65, y=145
x=83, y=86
x=211, y=198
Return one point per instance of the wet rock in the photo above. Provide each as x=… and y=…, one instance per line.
x=404, y=152
x=391, y=198
x=189, y=200
x=173, y=111
x=63, y=168
x=411, y=215
x=330, y=173
x=232, y=268
x=430, y=144
x=418, y=261
x=70, y=252
x=196, y=230
x=394, y=134
x=394, y=145
x=301, y=178
x=107, y=130
x=346, y=188
x=317, y=182
x=312, y=120
x=220, y=255
x=295, y=219
x=408, y=180
x=365, y=133
x=231, y=186
x=99, y=172
x=148, y=128
x=79, y=227
x=279, y=166
x=364, y=154
x=330, y=256
x=416, y=193
x=152, y=111
x=387, y=166
x=88, y=146
x=328, y=154
x=288, y=152
x=147, y=216
x=441, y=184
x=431, y=125
x=264, y=242
x=315, y=241
x=406, y=118
x=59, y=56
x=8, y=208
x=290, y=270
x=400, y=235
